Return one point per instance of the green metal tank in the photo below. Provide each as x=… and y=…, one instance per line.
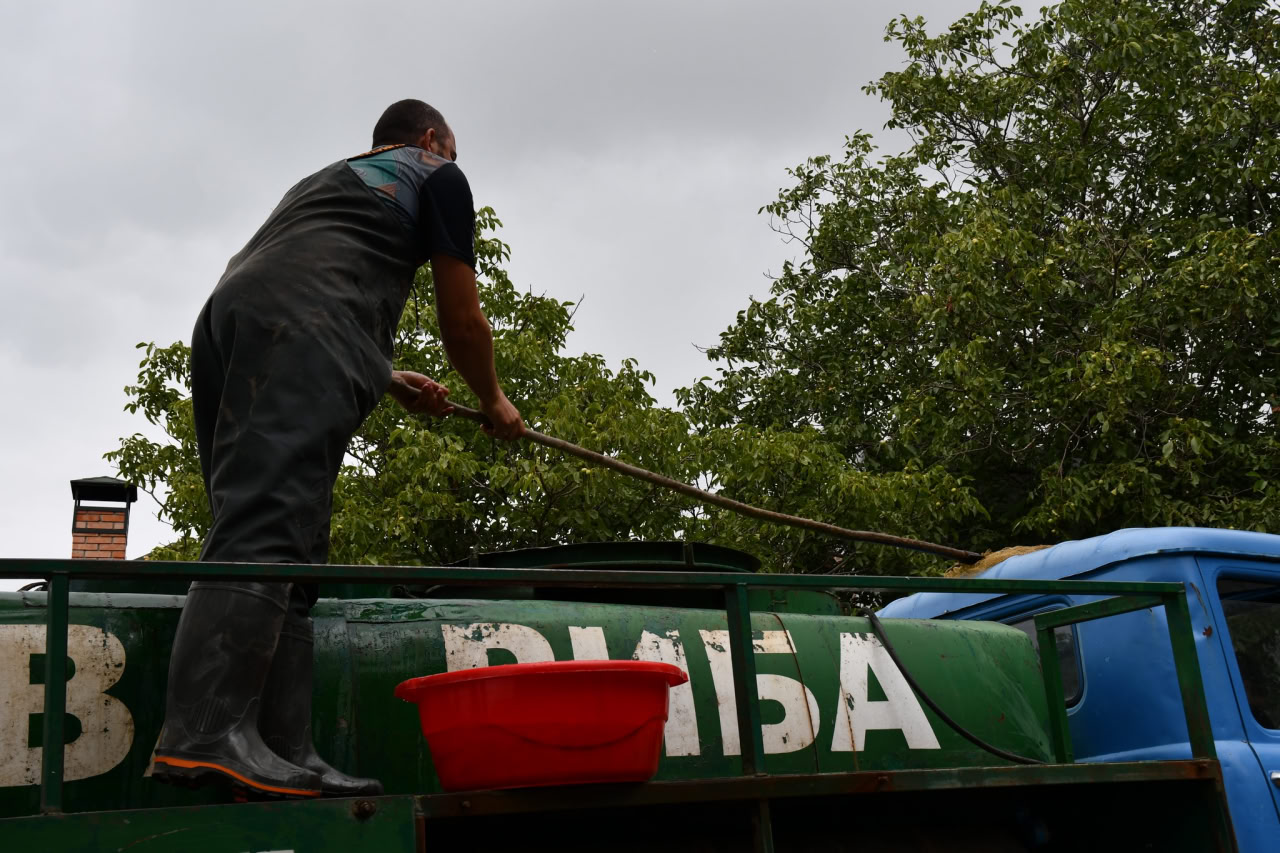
x=832, y=700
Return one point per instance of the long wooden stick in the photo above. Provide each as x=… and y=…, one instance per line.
x=621, y=467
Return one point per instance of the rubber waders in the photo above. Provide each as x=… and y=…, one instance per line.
x=285, y=720
x=221, y=657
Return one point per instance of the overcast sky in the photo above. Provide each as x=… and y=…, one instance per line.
x=625, y=145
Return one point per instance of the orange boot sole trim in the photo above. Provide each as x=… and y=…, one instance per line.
x=182, y=762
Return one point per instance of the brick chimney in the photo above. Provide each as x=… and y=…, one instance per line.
x=100, y=523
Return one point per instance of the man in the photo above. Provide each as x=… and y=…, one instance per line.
x=289, y=355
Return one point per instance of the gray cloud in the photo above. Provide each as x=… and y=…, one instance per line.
x=626, y=145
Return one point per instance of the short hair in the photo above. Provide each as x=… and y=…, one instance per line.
x=404, y=123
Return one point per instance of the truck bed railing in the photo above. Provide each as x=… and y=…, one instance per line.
x=1123, y=597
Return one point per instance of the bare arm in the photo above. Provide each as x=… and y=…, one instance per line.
x=468, y=341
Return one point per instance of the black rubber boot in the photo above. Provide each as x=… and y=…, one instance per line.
x=221, y=656
x=285, y=721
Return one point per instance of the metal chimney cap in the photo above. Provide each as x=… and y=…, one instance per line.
x=104, y=489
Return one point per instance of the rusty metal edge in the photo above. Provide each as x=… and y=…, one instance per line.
x=565, y=578
x=481, y=803
x=231, y=811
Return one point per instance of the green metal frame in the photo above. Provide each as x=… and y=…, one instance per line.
x=1127, y=597
x=1185, y=661
x=414, y=823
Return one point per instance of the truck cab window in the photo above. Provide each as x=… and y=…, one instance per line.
x=1253, y=621
x=1065, y=638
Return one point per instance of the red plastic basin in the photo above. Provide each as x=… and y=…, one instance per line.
x=533, y=724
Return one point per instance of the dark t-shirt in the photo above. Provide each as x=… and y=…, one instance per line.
x=428, y=194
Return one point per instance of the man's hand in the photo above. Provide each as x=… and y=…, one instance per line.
x=507, y=422
x=430, y=396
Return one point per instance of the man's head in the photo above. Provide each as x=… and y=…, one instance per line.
x=412, y=122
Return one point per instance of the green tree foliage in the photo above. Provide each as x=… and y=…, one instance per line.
x=426, y=492
x=167, y=469
x=1054, y=315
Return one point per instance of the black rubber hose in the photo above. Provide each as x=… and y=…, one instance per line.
x=878, y=630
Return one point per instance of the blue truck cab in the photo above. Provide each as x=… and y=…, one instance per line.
x=1118, y=675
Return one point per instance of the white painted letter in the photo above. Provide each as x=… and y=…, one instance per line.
x=106, y=726
x=856, y=714
x=588, y=643
x=682, y=721
x=467, y=646
x=800, y=720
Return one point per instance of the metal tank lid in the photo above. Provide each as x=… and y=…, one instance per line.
x=654, y=556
